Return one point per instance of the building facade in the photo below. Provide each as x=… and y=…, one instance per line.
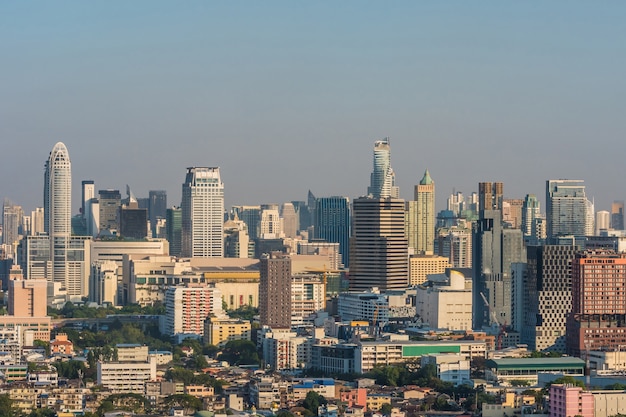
x=275, y=290
x=332, y=223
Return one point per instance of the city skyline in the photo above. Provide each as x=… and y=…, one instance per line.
x=519, y=92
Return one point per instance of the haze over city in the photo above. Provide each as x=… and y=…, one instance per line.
x=288, y=97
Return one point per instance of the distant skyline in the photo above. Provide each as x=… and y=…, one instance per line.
x=285, y=97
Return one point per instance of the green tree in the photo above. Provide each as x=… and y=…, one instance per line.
x=190, y=403
x=240, y=352
x=312, y=401
x=519, y=383
x=385, y=409
x=569, y=380
x=6, y=406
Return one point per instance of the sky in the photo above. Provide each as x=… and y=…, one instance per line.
x=289, y=96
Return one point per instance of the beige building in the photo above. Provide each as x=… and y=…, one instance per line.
x=445, y=302
x=420, y=266
x=126, y=377
x=420, y=218
x=307, y=297
x=27, y=298
x=219, y=331
x=132, y=353
x=28, y=328
x=150, y=276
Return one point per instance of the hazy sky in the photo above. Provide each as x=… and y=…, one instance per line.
x=290, y=96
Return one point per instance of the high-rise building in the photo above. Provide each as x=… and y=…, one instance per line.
x=617, y=215
x=383, y=179
x=156, y=207
x=270, y=225
x=187, y=307
x=133, y=222
x=27, y=298
x=455, y=243
x=12, y=215
x=547, y=296
x=37, y=221
x=421, y=217
x=58, y=211
x=495, y=248
x=490, y=195
x=332, y=223
x=203, y=213
x=598, y=316
x=603, y=221
x=512, y=212
x=531, y=210
x=174, y=226
x=110, y=202
x=566, y=209
x=275, y=290
x=290, y=220
x=378, y=248
x=90, y=210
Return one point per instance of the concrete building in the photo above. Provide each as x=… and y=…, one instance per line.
x=126, y=377
x=445, y=302
x=308, y=296
x=420, y=266
x=420, y=218
x=547, y=297
x=109, y=203
x=512, y=212
x=598, y=317
x=275, y=291
x=220, y=330
x=450, y=367
x=202, y=213
x=186, y=309
x=284, y=350
x=271, y=226
x=455, y=243
x=27, y=298
x=370, y=306
x=569, y=400
x=379, y=248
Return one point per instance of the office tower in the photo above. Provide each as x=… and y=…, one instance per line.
x=332, y=223
x=156, y=208
x=58, y=213
x=203, y=213
x=617, y=215
x=598, y=317
x=603, y=221
x=11, y=220
x=236, y=239
x=304, y=215
x=270, y=225
x=495, y=248
x=547, y=295
x=512, y=212
x=133, y=222
x=173, y=227
x=378, y=247
x=425, y=215
x=566, y=209
x=36, y=221
x=275, y=290
x=530, y=211
x=383, y=179
x=251, y=216
x=490, y=195
x=290, y=220
x=27, y=298
x=110, y=202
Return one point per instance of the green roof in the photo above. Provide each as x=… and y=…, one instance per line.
x=546, y=364
x=426, y=180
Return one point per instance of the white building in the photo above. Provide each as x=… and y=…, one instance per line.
x=187, y=307
x=271, y=223
x=368, y=305
x=104, y=282
x=450, y=367
x=445, y=302
x=283, y=349
x=126, y=377
x=307, y=297
x=203, y=213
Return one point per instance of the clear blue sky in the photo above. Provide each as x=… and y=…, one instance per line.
x=290, y=96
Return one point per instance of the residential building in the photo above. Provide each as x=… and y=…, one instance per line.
x=27, y=298
x=275, y=291
x=383, y=179
x=220, y=330
x=379, y=248
x=420, y=266
x=598, y=316
x=455, y=243
x=420, y=217
x=570, y=400
x=186, y=309
x=126, y=377
x=202, y=213
x=308, y=297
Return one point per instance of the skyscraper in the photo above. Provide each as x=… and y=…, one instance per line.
x=203, y=213
x=383, y=179
x=12, y=215
x=332, y=223
x=156, y=207
x=617, y=215
x=110, y=203
x=566, y=209
x=275, y=290
x=58, y=211
x=173, y=226
x=490, y=195
x=425, y=215
x=378, y=248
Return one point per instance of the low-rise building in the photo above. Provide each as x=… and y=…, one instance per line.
x=220, y=330
x=450, y=367
x=527, y=369
x=126, y=377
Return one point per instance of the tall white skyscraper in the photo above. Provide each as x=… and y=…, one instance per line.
x=383, y=179
x=203, y=213
x=58, y=210
x=568, y=211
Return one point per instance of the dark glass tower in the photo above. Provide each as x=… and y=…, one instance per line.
x=332, y=223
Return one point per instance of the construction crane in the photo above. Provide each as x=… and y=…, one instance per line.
x=494, y=320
